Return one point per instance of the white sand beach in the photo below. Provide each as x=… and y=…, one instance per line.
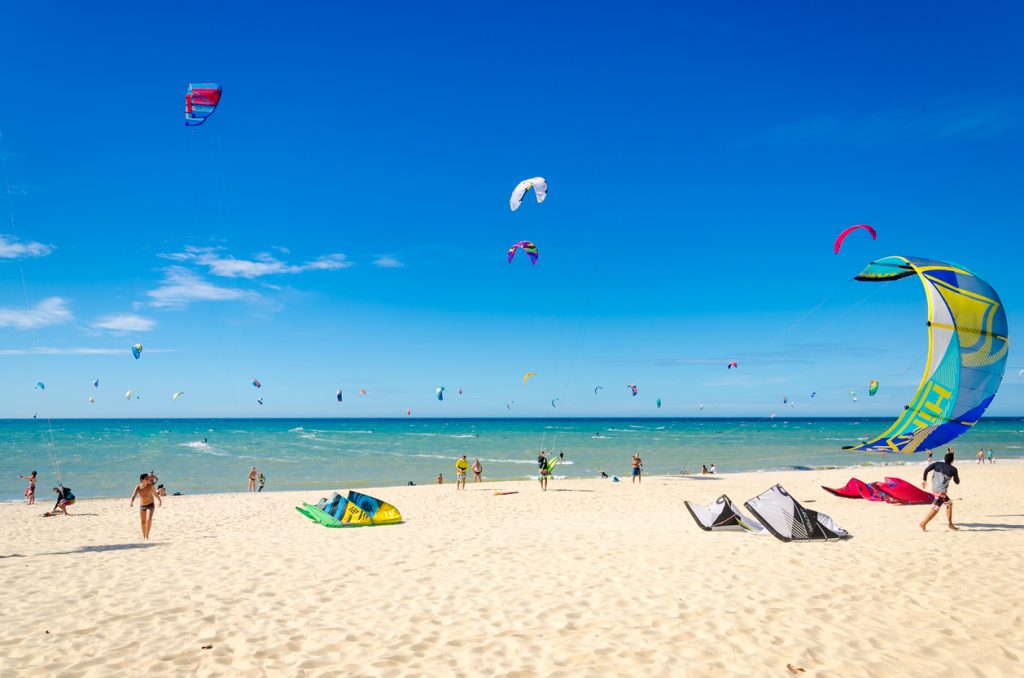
x=589, y=578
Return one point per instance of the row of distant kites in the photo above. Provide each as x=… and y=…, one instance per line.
x=136, y=351
x=202, y=99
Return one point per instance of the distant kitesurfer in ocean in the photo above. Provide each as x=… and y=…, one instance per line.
x=944, y=472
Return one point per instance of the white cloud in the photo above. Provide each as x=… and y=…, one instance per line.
x=125, y=322
x=181, y=287
x=49, y=311
x=45, y=350
x=387, y=261
x=11, y=248
x=227, y=266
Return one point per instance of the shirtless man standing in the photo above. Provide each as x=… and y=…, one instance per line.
x=147, y=495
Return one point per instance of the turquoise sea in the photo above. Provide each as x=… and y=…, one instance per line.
x=103, y=458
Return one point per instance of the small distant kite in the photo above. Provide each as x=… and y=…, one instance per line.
x=177, y=395
x=128, y=394
x=658, y=403
x=633, y=388
x=408, y=412
x=256, y=382
x=701, y=406
x=92, y=400
x=509, y=404
x=201, y=101
x=528, y=247
x=853, y=394
x=732, y=365
x=598, y=388
x=872, y=387
x=539, y=186
x=137, y=351
x=785, y=399
x=96, y=384
x=553, y=401
x=362, y=391
x=460, y=390
x=814, y=393
x=848, y=231
x=527, y=376
x=259, y=401
x=440, y=392
x=338, y=395
x=41, y=386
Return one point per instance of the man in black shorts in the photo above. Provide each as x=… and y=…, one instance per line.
x=148, y=500
x=944, y=472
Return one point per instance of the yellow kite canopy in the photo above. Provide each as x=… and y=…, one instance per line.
x=967, y=347
x=527, y=376
x=355, y=510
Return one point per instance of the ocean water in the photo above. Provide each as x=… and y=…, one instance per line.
x=103, y=458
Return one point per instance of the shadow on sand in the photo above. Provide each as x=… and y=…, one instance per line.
x=100, y=548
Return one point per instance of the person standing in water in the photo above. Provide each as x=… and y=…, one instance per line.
x=252, y=479
x=638, y=467
x=991, y=457
x=944, y=472
x=149, y=498
x=30, y=491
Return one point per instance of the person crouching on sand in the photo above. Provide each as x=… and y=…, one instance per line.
x=149, y=498
x=944, y=472
x=65, y=498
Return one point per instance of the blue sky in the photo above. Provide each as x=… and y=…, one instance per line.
x=342, y=219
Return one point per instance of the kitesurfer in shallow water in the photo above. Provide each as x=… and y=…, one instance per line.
x=944, y=472
x=542, y=470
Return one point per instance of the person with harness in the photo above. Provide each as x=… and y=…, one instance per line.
x=944, y=472
x=65, y=498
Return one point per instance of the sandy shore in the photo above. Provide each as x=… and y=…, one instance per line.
x=589, y=578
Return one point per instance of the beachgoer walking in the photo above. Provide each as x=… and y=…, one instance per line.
x=440, y=479
x=65, y=498
x=542, y=470
x=461, y=466
x=991, y=457
x=262, y=481
x=944, y=472
x=477, y=470
x=981, y=455
x=638, y=467
x=149, y=498
x=252, y=479
x=30, y=491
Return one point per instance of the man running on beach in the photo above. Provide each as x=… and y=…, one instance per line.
x=638, y=467
x=461, y=466
x=944, y=472
x=148, y=496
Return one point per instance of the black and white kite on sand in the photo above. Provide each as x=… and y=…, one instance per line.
x=722, y=515
x=785, y=518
